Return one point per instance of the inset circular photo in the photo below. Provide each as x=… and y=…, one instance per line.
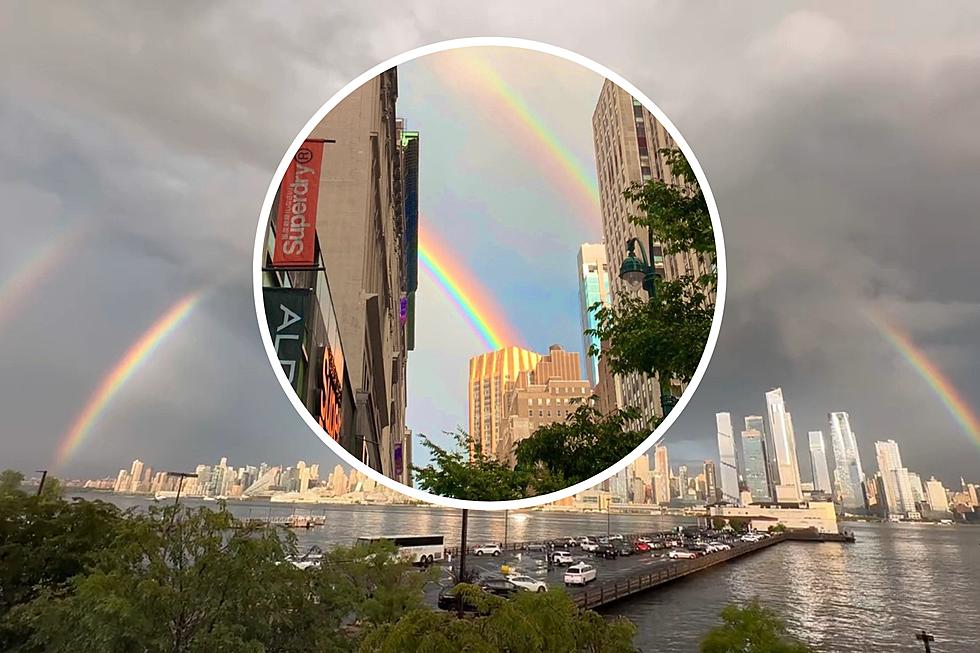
x=489, y=273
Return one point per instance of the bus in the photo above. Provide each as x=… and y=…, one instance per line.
x=417, y=549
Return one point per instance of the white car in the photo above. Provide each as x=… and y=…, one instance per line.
x=562, y=558
x=580, y=574
x=590, y=546
x=716, y=547
x=488, y=550
x=528, y=583
x=681, y=554
x=752, y=537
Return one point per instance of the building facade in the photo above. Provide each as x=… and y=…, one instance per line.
x=593, y=288
x=818, y=463
x=726, y=455
x=491, y=377
x=661, y=476
x=343, y=321
x=899, y=497
x=755, y=461
x=786, y=477
x=549, y=392
x=848, y=473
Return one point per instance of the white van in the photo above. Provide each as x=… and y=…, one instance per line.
x=580, y=574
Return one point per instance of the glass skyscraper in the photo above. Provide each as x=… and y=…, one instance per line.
x=593, y=286
x=754, y=458
x=848, y=474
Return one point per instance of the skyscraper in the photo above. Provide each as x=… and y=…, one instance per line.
x=593, y=287
x=755, y=461
x=135, y=475
x=898, y=490
x=787, y=481
x=726, y=454
x=491, y=378
x=936, y=496
x=661, y=475
x=848, y=474
x=818, y=463
x=710, y=482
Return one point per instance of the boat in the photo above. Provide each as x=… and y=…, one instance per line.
x=165, y=494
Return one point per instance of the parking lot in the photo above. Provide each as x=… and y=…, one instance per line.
x=534, y=563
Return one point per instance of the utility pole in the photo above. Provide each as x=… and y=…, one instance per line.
x=506, y=522
x=925, y=638
x=40, y=486
x=180, y=483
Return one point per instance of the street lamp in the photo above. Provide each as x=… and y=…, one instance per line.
x=44, y=475
x=180, y=483
x=637, y=272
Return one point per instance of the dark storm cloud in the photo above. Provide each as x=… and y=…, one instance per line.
x=840, y=143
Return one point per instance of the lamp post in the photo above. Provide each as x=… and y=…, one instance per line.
x=642, y=272
x=925, y=638
x=44, y=475
x=181, y=476
x=461, y=578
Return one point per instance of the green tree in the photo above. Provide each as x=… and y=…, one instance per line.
x=11, y=482
x=751, y=629
x=52, y=488
x=194, y=581
x=665, y=335
x=587, y=442
x=44, y=543
x=454, y=473
x=545, y=622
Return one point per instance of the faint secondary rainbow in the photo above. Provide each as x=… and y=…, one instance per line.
x=940, y=384
x=550, y=148
x=125, y=367
x=485, y=319
x=36, y=269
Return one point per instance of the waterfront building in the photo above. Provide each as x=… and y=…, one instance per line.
x=339, y=288
x=122, y=481
x=786, y=483
x=593, y=288
x=135, y=475
x=848, y=473
x=819, y=515
x=755, y=460
x=661, y=475
x=936, y=496
x=491, y=377
x=726, y=454
x=710, y=482
x=918, y=492
x=818, y=463
x=899, y=497
x=549, y=392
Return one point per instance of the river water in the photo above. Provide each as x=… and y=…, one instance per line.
x=873, y=595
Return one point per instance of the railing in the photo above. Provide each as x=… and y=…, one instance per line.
x=613, y=591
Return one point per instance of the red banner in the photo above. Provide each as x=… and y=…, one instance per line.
x=296, y=217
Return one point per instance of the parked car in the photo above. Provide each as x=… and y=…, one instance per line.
x=528, y=583
x=562, y=558
x=656, y=545
x=498, y=586
x=715, y=547
x=589, y=546
x=580, y=574
x=535, y=546
x=488, y=549
x=583, y=540
x=607, y=551
x=623, y=548
x=682, y=554
x=641, y=546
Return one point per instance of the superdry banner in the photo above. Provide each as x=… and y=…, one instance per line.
x=296, y=217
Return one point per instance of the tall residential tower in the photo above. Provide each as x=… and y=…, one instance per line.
x=786, y=481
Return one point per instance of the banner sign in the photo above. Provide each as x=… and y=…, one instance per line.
x=403, y=310
x=296, y=215
x=331, y=393
x=286, y=313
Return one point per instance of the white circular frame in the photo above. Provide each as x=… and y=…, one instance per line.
x=260, y=242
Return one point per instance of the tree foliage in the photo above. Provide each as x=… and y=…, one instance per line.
x=665, y=335
x=580, y=447
x=533, y=622
x=454, y=473
x=11, y=482
x=751, y=629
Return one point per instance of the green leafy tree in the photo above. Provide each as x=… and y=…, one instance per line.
x=11, y=482
x=586, y=443
x=44, y=543
x=545, y=622
x=455, y=473
x=739, y=524
x=751, y=629
x=665, y=335
x=52, y=489
x=196, y=581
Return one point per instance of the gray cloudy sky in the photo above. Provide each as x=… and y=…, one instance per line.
x=840, y=140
